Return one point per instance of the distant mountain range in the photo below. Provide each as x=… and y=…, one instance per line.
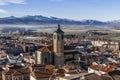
x=38, y=19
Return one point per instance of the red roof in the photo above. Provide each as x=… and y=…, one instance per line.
x=107, y=68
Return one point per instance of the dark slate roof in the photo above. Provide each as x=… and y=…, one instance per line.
x=59, y=29
x=71, y=52
x=69, y=47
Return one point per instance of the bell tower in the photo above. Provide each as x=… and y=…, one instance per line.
x=58, y=46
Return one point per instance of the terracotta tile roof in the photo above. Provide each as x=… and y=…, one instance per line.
x=50, y=47
x=60, y=75
x=24, y=70
x=44, y=49
x=93, y=77
x=49, y=70
x=50, y=67
x=38, y=65
x=19, y=71
x=16, y=73
x=107, y=68
x=43, y=71
x=61, y=71
x=39, y=75
x=47, y=75
x=11, y=72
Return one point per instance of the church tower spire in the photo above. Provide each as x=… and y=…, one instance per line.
x=58, y=46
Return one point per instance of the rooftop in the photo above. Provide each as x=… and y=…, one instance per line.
x=103, y=68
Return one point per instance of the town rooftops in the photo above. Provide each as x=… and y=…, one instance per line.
x=49, y=48
x=38, y=65
x=44, y=49
x=115, y=74
x=93, y=76
x=19, y=71
x=107, y=68
x=71, y=52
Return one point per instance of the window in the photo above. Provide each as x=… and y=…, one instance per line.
x=27, y=77
x=58, y=37
x=45, y=60
x=62, y=37
x=54, y=36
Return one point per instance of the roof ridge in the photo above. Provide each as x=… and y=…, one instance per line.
x=44, y=49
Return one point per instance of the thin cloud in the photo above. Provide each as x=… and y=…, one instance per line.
x=2, y=11
x=17, y=1
x=5, y=2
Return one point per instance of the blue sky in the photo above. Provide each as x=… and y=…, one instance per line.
x=104, y=10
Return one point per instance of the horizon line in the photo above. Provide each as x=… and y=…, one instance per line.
x=59, y=17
